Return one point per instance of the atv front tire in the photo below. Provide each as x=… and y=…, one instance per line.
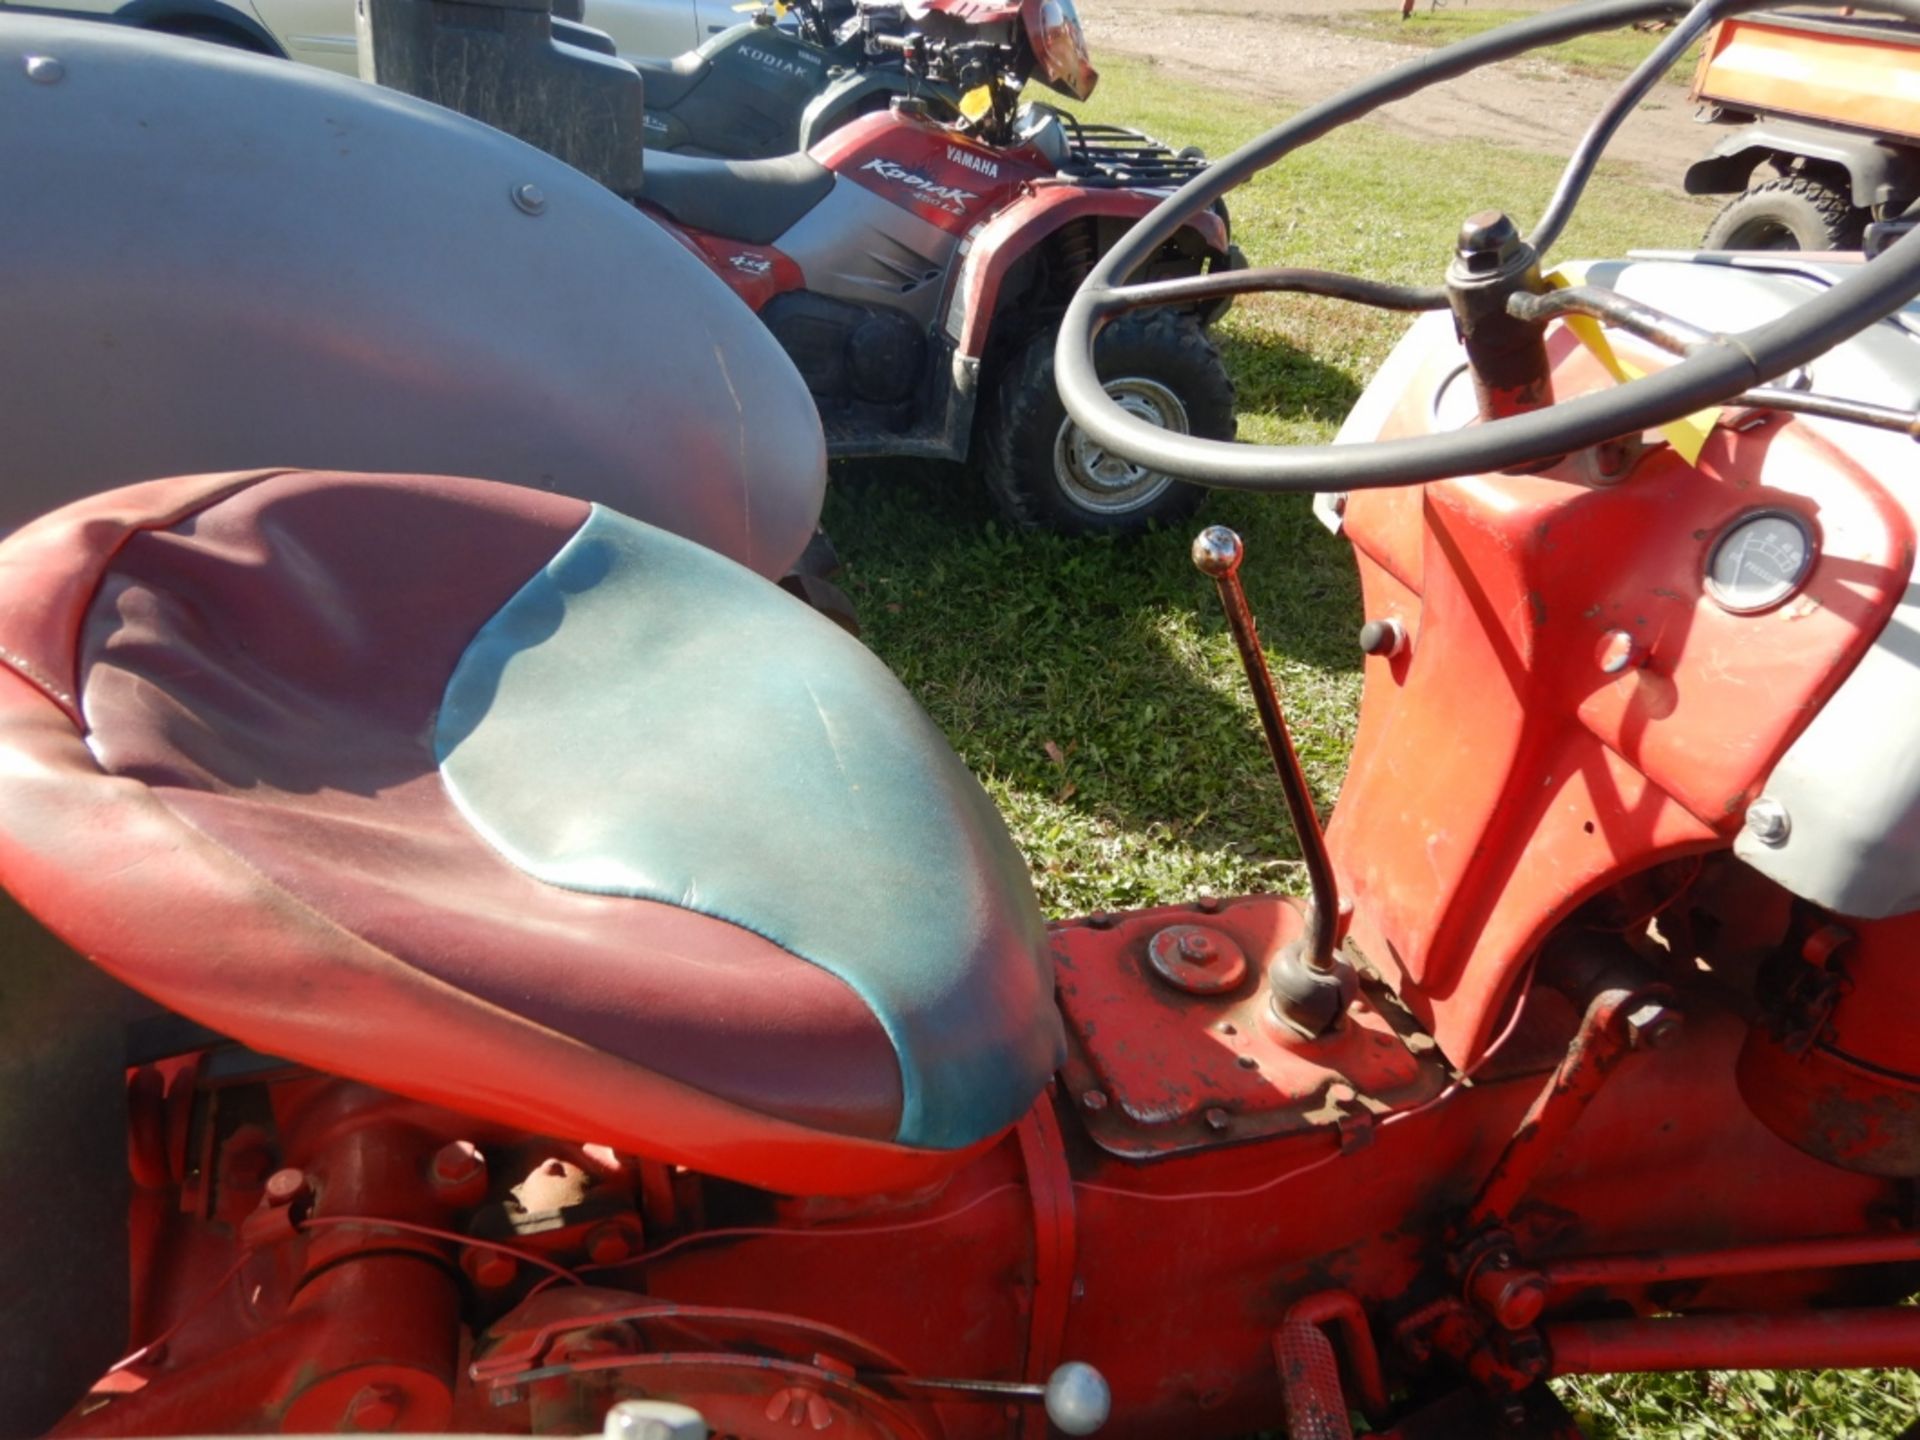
x=1044, y=473
x=1796, y=212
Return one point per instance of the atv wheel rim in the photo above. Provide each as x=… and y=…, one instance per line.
x=1764, y=233
x=1095, y=480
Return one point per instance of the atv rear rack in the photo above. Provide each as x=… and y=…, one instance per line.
x=1110, y=155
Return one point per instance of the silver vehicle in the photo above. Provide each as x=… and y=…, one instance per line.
x=320, y=32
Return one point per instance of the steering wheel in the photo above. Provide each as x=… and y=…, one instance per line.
x=1713, y=368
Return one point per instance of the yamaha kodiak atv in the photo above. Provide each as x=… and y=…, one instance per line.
x=764, y=88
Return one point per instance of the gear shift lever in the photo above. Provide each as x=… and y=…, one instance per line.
x=1310, y=984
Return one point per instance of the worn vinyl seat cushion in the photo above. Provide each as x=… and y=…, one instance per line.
x=515, y=804
x=754, y=201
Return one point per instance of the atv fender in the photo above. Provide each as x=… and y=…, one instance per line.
x=1881, y=172
x=994, y=248
x=849, y=97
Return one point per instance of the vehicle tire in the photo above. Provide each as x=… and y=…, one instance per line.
x=211, y=31
x=1796, y=212
x=1044, y=473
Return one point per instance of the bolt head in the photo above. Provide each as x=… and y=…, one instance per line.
x=1616, y=652
x=1218, y=1119
x=1197, y=948
x=1095, y=1100
x=1078, y=1399
x=1488, y=238
x=530, y=199
x=1768, y=821
x=458, y=1163
x=286, y=1186
x=45, y=70
x=1217, y=551
x=376, y=1408
x=489, y=1269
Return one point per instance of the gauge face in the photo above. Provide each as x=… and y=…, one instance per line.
x=1759, y=561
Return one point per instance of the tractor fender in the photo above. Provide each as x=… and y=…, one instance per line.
x=849, y=96
x=233, y=262
x=1881, y=172
x=992, y=248
x=155, y=15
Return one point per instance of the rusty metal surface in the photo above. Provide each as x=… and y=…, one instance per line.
x=1156, y=1070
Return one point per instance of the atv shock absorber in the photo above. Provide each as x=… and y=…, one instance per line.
x=1074, y=253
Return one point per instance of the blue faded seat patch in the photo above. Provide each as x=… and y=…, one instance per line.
x=647, y=718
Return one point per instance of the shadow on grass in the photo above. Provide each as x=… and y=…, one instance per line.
x=1098, y=673
x=1280, y=381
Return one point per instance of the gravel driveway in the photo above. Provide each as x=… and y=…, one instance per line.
x=1282, y=50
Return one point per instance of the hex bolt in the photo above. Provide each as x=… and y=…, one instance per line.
x=529, y=199
x=1197, y=949
x=1218, y=1119
x=45, y=70
x=376, y=1408
x=1768, y=821
x=1653, y=1026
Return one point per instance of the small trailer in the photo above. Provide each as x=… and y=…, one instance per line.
x=1824, y=110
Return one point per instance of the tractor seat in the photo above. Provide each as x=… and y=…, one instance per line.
x=514, y=805
x=665, y=83
x=753, y=201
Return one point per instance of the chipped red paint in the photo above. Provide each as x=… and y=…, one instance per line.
x=1499, y=777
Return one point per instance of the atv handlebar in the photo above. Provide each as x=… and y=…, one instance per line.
x=1715, y=369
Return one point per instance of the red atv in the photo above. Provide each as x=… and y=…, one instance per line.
x=481, y=963
x=915, y=269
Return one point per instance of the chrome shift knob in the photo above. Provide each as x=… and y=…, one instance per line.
x=1217, y=551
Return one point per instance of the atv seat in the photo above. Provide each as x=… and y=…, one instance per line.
x=517, y=806
x=665, y=83
x=753, y=201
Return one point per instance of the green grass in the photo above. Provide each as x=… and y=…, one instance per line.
x=1093, y=688
x=1611, y=55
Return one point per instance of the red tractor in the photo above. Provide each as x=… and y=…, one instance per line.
x=482, y=963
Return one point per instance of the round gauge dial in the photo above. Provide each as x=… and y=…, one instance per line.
x=1760, y=560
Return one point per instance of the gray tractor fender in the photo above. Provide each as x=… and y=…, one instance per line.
x=849, y=96
x=222, y=262
x=1882, y=173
